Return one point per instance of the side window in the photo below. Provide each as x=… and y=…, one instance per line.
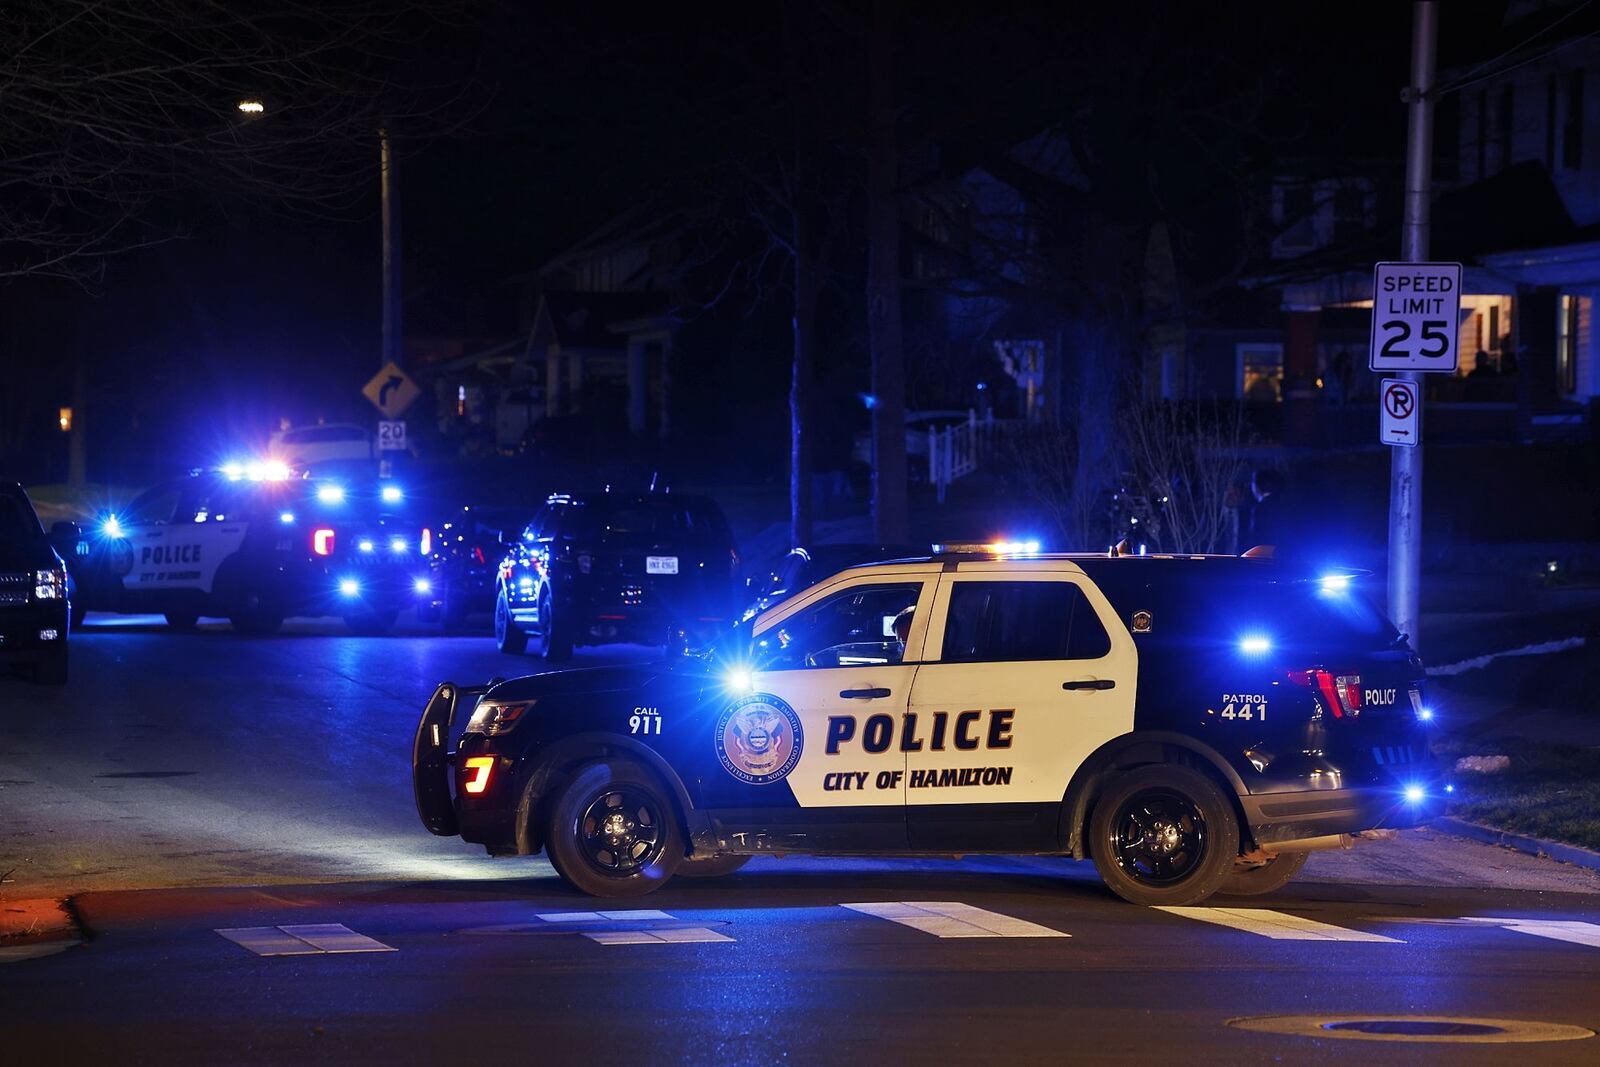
x=153, y=505
x=999, y=621
x=852, y=628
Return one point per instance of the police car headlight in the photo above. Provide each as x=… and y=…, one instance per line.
x=493, y=717
x=50, y=585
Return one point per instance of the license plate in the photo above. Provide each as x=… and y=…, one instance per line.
x=661, y=564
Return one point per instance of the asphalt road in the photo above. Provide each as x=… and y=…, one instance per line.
x=185, y=784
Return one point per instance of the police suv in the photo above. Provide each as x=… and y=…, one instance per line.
x=1190, y=724
x=257, y=543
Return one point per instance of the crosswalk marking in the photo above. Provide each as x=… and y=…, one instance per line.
x=948, y=918
x=316, y=939
x=672, y=936
x=601, y=916
x=1278, y=925
x=1569, y=930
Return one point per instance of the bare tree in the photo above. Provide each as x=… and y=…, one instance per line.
x=1185, y=457
x=113, y=113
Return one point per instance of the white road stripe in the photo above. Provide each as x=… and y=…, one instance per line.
x=948, y=918
x=335, y=938
x=1280, y=926
x=1569, y=930
x=677, y=936
x=318, y=939
x=600, y=916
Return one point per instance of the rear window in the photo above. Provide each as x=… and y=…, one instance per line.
x=1290, y=614
x=644, y=522
x=18, y=525
x=991, y=622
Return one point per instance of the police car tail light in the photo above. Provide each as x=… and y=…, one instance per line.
x=425, y=542
x=479, y=767
x=1341, y=694
x=322, y=541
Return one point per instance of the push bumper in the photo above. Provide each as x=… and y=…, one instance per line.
x=432, y=757
x=1296, y=816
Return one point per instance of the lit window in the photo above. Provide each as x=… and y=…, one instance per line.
x=1260, y=372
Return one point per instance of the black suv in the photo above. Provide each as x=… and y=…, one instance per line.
x=653, y=568
x=465, y=561
x=33, y=588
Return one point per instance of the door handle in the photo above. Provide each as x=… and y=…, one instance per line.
x=863, y=694
x=1091, y=683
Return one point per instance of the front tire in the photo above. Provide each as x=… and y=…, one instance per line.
x=1264, y=878
x=613, y=831
x=182, y=620
x=508, y=638
x=1163, y=835
x=711, y=867
x=256, y=613
x=555, y=640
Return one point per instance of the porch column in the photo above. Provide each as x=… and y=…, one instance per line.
x=1533, y=325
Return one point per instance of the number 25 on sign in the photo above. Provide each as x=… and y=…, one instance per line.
x=1415, y=310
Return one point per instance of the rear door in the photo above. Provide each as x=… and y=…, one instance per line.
x=1026, y=672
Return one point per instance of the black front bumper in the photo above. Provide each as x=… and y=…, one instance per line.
x=21, y=629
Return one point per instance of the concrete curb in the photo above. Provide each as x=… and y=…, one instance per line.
x=1533, y=846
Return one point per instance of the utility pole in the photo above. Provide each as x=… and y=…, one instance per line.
x=391, y=250
x=1405, y=464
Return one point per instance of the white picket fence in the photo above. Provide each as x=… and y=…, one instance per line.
x=958, y=450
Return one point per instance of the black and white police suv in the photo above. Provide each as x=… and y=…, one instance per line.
x=257, y=544
x=1191, y=724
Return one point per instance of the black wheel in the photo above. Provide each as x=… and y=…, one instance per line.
x=613, y=831
x=183, y=620
x=1266, y=877
x=372, y=623
x=51, y=668
x=711, y=867
x=76, y=612
x=1163, y=835
x=453, y=612
x=555, y=638
x=507, y=636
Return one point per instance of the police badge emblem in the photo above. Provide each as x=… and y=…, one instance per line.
x=759, y=739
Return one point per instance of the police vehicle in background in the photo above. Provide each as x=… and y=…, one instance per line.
x=33, y=588
x=1190, y=724
x=650, y=568
x=465, y=564
x=257, y=544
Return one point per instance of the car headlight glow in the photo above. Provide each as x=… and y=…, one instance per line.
x=1414, y=794
x=349, y=587
x=112, y=528
x=397, y=544
x=391, y=494
x=50, y=585
x=493, y=717
x=1255, y=644
x=330, y=494
x=422, y=585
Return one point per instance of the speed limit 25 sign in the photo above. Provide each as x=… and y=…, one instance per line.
x=1415, y=310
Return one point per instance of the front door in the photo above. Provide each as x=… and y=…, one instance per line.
x=1027, y=672
x=807, y=755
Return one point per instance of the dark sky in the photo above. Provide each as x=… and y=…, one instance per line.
x=582, y=112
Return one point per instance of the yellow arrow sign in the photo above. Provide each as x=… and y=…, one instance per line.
x=391, y=391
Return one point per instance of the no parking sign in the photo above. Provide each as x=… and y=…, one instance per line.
x=1401, y=402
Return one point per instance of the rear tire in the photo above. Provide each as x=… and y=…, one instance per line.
x=76, y=613
x=1163, y=835
x=711, y=867
x=1266, y=878
x=508, y=638
x=182, y=620
x=613, y=830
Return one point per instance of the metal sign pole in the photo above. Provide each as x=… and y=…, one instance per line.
x=1405, y=464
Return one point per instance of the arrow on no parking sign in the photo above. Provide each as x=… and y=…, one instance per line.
x=1402, y=412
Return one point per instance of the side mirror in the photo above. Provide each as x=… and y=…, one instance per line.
x=64, y=536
